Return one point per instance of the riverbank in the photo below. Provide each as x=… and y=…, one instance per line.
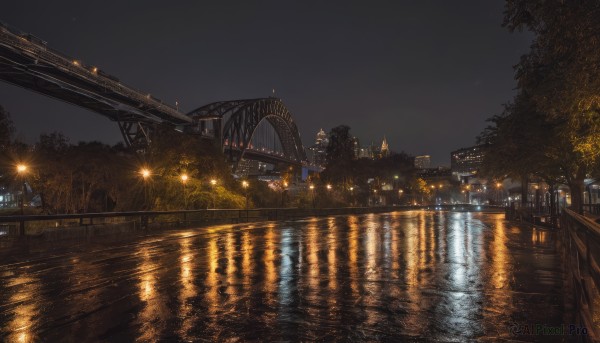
x=90, y=225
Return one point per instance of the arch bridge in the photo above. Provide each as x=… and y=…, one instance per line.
x=258, y=129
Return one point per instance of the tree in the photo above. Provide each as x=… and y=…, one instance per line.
x=559, y=83
x=341, y=145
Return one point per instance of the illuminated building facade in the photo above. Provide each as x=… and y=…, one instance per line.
x=423, y=162
x=466, y=161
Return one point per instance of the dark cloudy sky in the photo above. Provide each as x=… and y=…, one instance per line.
x=424, y=73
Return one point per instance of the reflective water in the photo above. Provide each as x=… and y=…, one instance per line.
x=400, y=276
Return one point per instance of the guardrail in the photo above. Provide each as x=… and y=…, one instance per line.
x=35, y=224
x=582, y=265
x=592, y=208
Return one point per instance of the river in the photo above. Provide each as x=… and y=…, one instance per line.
x=414, y=275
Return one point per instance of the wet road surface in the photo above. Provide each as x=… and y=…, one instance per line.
x=404, y=276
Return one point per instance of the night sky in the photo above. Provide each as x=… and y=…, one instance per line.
x=424, y=73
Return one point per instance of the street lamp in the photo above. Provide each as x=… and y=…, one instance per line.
x=213, y=183
x=184, y=179
x=312, y=192
x=145, y=173
x=352, y=195
x=283, y=190
x=245, y=185
x=21, y=171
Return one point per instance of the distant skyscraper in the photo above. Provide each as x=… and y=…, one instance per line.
x=384, y=148
x=319, y=149
x=356, y=142
x=322, y=138
x=466, y=161
x=423, y=162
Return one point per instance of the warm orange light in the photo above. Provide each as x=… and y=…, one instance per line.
x=329, y=187
x=145, y=172
x=351, y=188
x=21, y=168
x=401, y=191
x=184, y=178
x=245, y=184
x=213, y=182
x=285, y=184
x=498, y=185
x=311, y=187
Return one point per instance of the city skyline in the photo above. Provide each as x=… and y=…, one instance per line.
x=427, y=86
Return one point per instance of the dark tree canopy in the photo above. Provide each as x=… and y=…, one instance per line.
x=552, y=128
x=341, y=145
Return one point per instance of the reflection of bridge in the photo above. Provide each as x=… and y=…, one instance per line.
x=260, y=129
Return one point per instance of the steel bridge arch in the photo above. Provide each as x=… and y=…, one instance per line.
x=241, y=120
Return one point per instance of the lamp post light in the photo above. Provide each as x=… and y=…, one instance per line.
x=400, y=191
x=312, y=192
x=245, y=184
x=213, y=183
x=145, y=173
x=351, y=196
x=283, y=190
x=374, y=197
x=184, y=179
x=499, y=192
x=21, y=171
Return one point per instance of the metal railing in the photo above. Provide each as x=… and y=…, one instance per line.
x=592, y=208
x=37, y=224
x=582, y=265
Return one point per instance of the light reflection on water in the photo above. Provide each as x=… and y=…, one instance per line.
x=405, y=275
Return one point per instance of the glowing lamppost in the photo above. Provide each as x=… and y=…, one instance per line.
x=184, y=179
x=312, y=192
x=283, y=190
x=499, y=192
x=352, y=196
x=145, y=173
x=21, y=171
x=375, y=200
x=245, y=184
x=213, y=183
x=400, y=191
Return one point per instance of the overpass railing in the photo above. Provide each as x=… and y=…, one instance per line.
x=20, y=40
x=582, y=265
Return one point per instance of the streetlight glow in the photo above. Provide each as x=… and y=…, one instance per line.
x=329, y=187
x=245, y=184
x=213, y=182
x=184, y=178
x=311, y=187
x=145, y=173
x=21, y=168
